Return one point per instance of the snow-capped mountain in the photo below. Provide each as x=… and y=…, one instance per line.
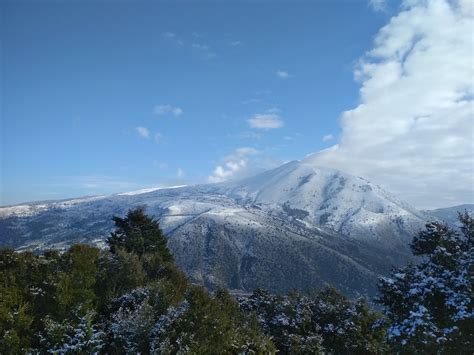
x=296, y=226
x=343, y=203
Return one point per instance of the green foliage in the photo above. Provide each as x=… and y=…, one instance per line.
x=323, y=322
x=347, y=326
x=431, y=304
x=205, y=325
x=118, y=273
x=87, y=300
x=77, y=335
x=77, y=278
x=137, y=233
x=132, y=298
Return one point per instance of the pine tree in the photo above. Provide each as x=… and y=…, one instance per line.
x=78, y=335
x=326, y=322
x=204, y=325
x=430, y=304
x=138, y=233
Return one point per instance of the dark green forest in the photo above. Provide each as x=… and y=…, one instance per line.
x=132, y=298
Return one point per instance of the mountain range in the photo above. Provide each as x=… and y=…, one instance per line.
x=298, y=226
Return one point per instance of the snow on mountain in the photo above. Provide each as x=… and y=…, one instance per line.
x=296, y=226
x=449, y=215
x=25, y=210
x=144, y=191
x=346, y=204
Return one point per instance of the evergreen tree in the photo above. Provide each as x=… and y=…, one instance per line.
x=326, y=322
x=138, y=233
x=77, y=279
x=431, y=304
x=204, y=325
x=78, y=335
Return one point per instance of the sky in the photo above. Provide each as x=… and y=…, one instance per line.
x=99, y=97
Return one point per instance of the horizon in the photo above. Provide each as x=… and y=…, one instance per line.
x=104, y=98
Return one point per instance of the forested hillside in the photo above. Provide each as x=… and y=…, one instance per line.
x=132, y=298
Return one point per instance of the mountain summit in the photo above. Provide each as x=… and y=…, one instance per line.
x=297, y=226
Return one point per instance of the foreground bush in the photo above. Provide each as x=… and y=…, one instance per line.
x=431, y=304
x=325, y=322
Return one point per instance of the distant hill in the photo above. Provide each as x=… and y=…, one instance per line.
x=450, y=214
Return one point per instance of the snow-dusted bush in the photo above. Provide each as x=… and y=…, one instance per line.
x=76, y=336
x=430, y=304
x=324, y=322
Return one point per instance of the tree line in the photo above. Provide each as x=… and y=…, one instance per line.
x=132, y=298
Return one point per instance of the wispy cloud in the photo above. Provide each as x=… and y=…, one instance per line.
x=180, y=173
x=205, y=50
x=168, y=109
x=252, y=101
x=235, y=43
x=267, y=120
x=202, y=47
x=327, y=137
x=169, y=35
x=283, y=74
x=143, y=132
x=412, y=131
x=160, y=164
x=378, y=5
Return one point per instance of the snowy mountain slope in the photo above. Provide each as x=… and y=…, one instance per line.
x=297, y=226
x=260, y=250
x=341, y=202
x=449, y=215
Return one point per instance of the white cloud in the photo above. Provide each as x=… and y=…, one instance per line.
x=225, y=172
x=282, y=74
x=202, y=47
x=205, y=50
x=413, y=129
x=378, y=5
x=180, y=173
x=235, y=44
x=327, y=137
x=235, y=165
x=143, y=132
x=267, y=120
x=168, y=109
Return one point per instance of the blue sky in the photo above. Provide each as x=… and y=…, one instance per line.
x=101, y=97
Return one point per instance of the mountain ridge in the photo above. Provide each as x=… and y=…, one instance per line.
x=296, y=226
